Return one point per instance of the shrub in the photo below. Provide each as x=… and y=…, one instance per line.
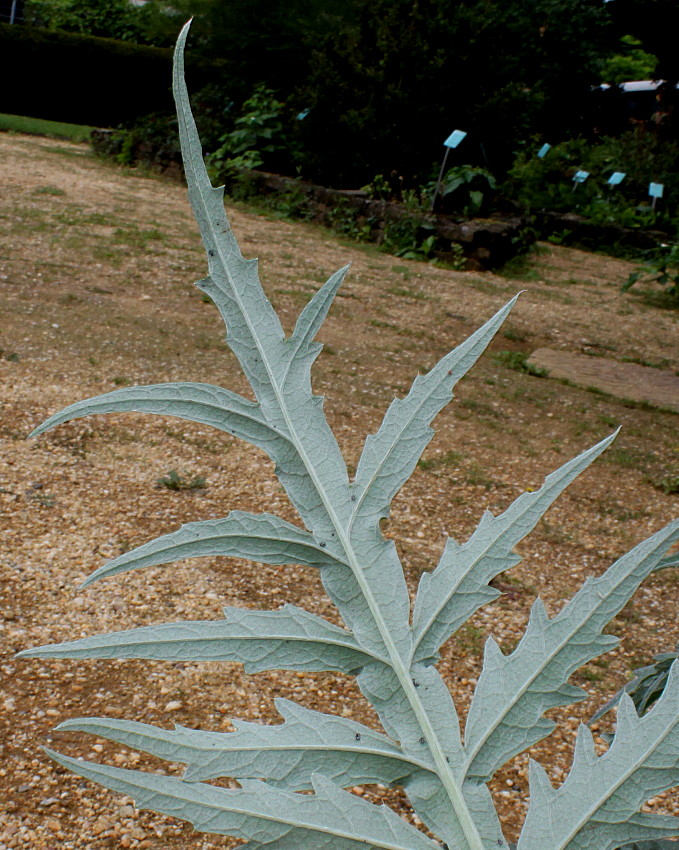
x=393, y=657
x=91, y=80
x=661, y=267
x=546, y=183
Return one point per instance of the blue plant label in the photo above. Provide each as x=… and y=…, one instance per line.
x=655, y=190
x=544, y=150
x=580, y=176
x=303, y=114
x=455, y=138
x=616, y=178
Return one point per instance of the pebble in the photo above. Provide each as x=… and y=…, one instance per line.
x=173, y=705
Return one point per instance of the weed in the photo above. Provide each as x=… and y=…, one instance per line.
x=449, y=458
x=519, y=362
x=407, y=292
x=514, y=335
x=174, y=481
x=48, y=190
x=669, y=484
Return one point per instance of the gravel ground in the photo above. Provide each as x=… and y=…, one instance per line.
x=96, y=266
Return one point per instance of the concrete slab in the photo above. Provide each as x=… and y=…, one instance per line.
x=659, y=387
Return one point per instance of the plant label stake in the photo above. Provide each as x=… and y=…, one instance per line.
x=451, y=142
x=579, y=177
x=655, y=190
x=544, y=150
x=614, y=180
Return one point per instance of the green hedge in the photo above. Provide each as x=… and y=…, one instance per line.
x=81, y=79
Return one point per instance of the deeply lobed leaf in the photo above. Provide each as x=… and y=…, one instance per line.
x=598, y=804
x=362, y=574
x=330, y=819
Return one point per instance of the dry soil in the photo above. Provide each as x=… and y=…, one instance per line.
x=96, y=272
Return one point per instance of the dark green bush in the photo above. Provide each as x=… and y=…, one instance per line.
x=547, y=183
x=81, y=79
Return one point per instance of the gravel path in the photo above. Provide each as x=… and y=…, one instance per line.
x=96, y=266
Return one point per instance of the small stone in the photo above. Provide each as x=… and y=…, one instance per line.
x=53, y=825
x=173, y=705
x=126, y=812
x=99, y=826
x=52, y=712
x=114, y=711
x=98, y=748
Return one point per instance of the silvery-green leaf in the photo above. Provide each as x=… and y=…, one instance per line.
x=399, y=716
x=286, y=755
x=402, y=719
x=255, y=537
x=429, y=799
x=514, y=691
x=203, y=403
x=330, y=819
x=304, y=349
x=448, y=596
x=645, y=686
x=670, y=561
x=289, y=639
x=322, y=495
x=598, y=804
x=390, y=455
x=254, y=332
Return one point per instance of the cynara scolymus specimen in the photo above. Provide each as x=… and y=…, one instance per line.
x=391, y=650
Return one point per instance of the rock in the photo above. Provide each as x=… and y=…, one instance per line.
x=173, y=705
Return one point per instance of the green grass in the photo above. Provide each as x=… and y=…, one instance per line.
x=41, y=127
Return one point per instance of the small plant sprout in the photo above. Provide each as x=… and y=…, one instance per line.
x=390, y=649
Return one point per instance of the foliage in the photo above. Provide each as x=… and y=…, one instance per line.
x=409, y=237
x=392, y=656
x=385, y=82
x=103, y=18
x=669, y=484
x=94, y=81
x=632, y=63
x=465, y=189
x=174, y=481
x=662, y=267
x=518, y=361
x=646, y=686
x=647, y=20
x=257, y=134
x=546, y=183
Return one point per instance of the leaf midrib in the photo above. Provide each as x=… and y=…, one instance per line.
x=443, y=769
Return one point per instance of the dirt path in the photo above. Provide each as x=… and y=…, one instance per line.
x=96, y=266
